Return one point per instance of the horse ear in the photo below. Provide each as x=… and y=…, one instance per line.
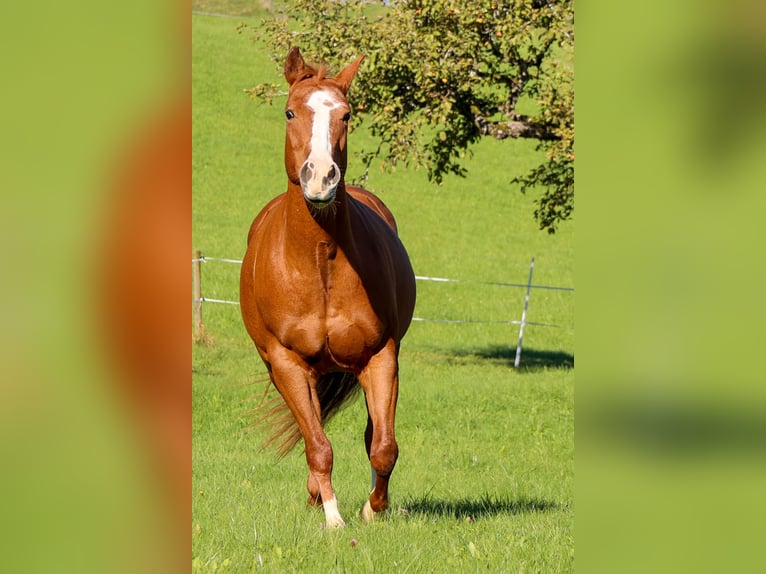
x=348, y=73
x=294, y=65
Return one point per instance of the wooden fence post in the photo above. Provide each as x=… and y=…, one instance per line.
x=199, y=326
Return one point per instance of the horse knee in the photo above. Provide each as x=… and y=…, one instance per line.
x=383, y=456
x=319, y=458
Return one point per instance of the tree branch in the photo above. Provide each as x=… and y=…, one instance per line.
x=518, y=127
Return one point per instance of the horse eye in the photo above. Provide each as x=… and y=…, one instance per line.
x=346, y=117
x=289, y=114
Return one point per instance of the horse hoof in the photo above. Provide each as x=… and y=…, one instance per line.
x=333, y=518
x=334, y=523
x=367, y=513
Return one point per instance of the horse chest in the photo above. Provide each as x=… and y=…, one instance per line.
x=332, y=319
x=325, y=256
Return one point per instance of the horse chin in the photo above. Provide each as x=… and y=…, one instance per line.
x=320, y=204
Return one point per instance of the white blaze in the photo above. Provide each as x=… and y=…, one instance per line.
x=319, y=174
x=322, y=103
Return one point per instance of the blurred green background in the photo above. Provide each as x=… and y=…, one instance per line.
x=668, y=252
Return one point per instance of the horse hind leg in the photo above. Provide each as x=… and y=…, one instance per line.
x=381, y=385
x=319, y=457
x=312, y=484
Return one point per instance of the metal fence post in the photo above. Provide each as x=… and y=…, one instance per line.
x=517, y=360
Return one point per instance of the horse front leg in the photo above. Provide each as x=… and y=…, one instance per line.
x=297, y=383
x=380, y=381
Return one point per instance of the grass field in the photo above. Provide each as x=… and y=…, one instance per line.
x=485, y=475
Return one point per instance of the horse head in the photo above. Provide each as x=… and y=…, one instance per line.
x=317, y=115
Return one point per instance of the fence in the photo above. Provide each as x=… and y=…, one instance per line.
x=199, y=329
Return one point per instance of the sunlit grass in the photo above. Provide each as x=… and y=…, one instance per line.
x=485, y=475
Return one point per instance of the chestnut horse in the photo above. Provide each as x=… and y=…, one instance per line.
x=327, y=290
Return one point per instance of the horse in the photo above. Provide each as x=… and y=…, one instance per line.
x=327, y=291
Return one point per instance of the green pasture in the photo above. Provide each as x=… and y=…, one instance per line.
x=484, y=480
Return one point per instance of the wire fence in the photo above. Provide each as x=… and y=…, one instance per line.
x=198, y=299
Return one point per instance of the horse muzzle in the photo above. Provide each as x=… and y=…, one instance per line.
x=319, y=182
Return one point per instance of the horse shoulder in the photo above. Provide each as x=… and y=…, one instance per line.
x=384, y=262
x=249, y=307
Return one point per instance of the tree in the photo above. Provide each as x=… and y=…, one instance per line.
x=441, y=74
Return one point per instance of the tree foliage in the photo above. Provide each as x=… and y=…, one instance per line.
x=441, y=74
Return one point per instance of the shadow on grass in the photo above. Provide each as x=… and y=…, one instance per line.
x=531, y=359
x=484, y=507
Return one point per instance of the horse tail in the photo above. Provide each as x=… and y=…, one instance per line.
x=334, y=390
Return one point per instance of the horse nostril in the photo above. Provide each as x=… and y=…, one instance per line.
x=334, y=174
x=307, y=171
